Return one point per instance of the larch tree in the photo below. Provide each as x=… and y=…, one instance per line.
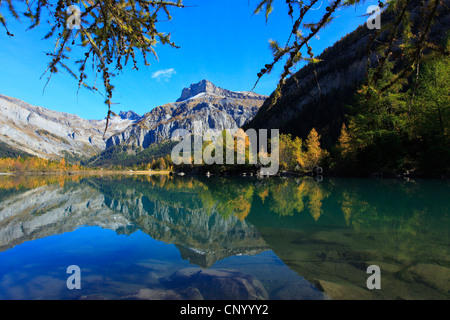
x=298, y=152
x=314, y=153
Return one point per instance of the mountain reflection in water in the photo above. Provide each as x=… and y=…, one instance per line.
x=161, y=237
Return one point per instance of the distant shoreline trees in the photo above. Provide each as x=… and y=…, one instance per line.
x=299, y=156
x=294, y=155
x=36, y=165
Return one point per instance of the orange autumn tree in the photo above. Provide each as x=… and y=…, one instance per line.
x=62, y=164
x=314, y=153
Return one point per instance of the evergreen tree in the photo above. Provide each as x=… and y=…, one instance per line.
x=168, y=161
x=402, y=128
x=378, y=123
x=290, y=152
x=430, y=117
x=285, y=152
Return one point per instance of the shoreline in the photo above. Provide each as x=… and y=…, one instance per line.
x=167, y=172
x=90, y=172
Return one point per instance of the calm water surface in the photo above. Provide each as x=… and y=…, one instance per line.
x=142, y=237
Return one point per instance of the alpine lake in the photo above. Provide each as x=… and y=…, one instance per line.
x=239, y=238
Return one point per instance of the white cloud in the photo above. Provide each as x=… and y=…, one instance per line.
x=165, y=74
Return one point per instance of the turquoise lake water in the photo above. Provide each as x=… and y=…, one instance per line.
x=161, y=237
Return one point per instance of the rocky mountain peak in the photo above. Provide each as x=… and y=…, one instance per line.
x=129, y=115
x=203, y=86
x=207, y=88
x=214, y=107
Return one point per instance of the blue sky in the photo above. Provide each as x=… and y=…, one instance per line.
x=222, y=41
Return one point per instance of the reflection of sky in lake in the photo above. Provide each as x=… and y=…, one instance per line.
x=118, y=266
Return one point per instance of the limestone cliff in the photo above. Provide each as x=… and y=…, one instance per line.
x=213, y=107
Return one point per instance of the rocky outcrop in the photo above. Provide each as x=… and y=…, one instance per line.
x=51, y=134
x=213, y=107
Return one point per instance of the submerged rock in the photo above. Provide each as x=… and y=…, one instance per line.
x=300, y=290
x=218, y=284
x=161, y=294
x=432, y=275
x=347, y=291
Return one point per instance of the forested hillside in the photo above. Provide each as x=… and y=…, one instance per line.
x=371, y=114
x=317, y=95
